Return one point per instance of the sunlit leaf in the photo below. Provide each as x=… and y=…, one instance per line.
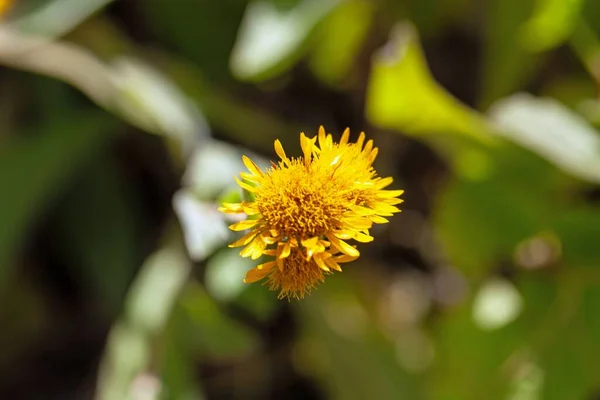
x=505, y=66
x=551, y=24
x=549, y=129
x=271, y=39
x=403, y=95
x=340, y=38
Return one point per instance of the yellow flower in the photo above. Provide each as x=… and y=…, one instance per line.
x=5, y=5
x=305, y=209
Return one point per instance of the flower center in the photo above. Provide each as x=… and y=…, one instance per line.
x=300, y=204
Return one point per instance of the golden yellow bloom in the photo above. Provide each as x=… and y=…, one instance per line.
x=305, y=210
x=5, y=5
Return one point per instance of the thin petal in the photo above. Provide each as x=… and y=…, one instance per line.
x=321, y=136
x=319, y=260
x=231, y=208
x=344, y=258
x=258, y=273
x=343, y=246
x=244, y=240
x=361, y=139
x=243, y=225
x=279, y=150
x=384, y=182
x=246, y=186
x=378, y=219
x=252, y=167
x=363, y=238
x=331, y=263
x=390, y=193
x=345, y=136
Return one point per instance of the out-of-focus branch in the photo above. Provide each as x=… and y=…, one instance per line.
x=59, y=60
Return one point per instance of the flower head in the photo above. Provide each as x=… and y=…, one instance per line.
x=306, y=209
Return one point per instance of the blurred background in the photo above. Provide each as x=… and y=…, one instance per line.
x=122, y=124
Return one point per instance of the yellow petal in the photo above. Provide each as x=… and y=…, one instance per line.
x=319, y=260
x=344, y=258
x=231, y=208
x=373, y=155
x=359, y=223
x=384, y=209
x=250, y=177
x=389, y=193
x=331, y=263
x=343, y=246
x=361, y=139
x=244, y=240
x=393, y=201
x=345, y=136
x=279, y=150
x=258, y=273
x=363, y=238
x=384, y=182
x=378, y=219
x=243, y=225
x=321, y=136
x=284, y=250
x=255, y=249
x=252, y=167
x=309, y=243
x=246, y=186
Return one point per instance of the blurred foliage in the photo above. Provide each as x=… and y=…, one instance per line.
x=122, y=124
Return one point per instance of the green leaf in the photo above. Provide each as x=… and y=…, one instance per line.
x=341, y=35
x=479, y=222
x=225, y=271
x=271, y=39
x=551, y=24
x=506, y=66
x=403, y=95
x=549, y=129
x=149, y=304
x=215, y=334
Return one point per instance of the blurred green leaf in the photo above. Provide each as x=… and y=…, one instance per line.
x=473, y=363
x=148, y=307
x=402, y=95
x=341, y=35
x=271, y=39
x=201, y=31
x=34, y=170
x=551, y=130
x=225, y=271
x=579, y=230
x=551, y=24
x=215, y=334
x=343, y=346
x=479, y=222
x=506, y=66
